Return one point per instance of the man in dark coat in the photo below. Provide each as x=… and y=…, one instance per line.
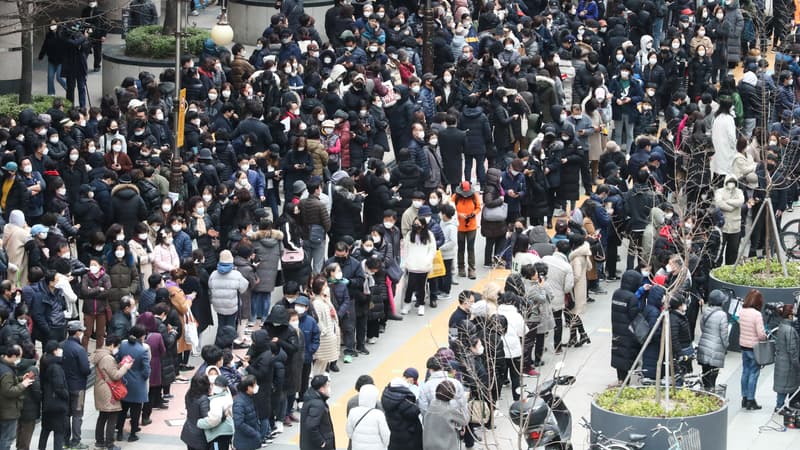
x=76, y=369
x=402, y=416
x=400, y=116
x=452, y=143
x=316, y=426
x=624, y=307
x=74, y=66
x=252, y=125
x=407, y=176
x=127, y=205
x=94, y=17
x=479, y=137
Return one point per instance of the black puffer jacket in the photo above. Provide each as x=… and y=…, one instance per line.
x=150, y=194
x=261, y=366
x=408, y=176
x=624, y=307
x=535, y=200
x=316, y=426
x=380, y=199
x=479, y=132
x=32, y=399
x=638, y=203
x=127, y=206
x=492, y=199
x=402, y=416
x=55, y=394
x=345, y=213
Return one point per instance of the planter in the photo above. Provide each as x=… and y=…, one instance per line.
x=713, y=427
x=117, y=66
x=771, y=295
x=247, y=17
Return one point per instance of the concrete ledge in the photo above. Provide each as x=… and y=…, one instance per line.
x=117, y=65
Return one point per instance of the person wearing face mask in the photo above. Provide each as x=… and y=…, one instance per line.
x=55, y=395
x=123, y=273
x=733, y=23
x=127, y=206
x=267, y=247
x=729, y=199
x=699, y=71
x=48, y=307
x=350, y=55
x=311, y=339
x=135, y=379
x=52, y=47
x=107, y=369
x=95, y=286
x=627, y=92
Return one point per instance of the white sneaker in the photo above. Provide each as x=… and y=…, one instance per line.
x=372, y=340
x=278, y=427
x=406, y=307
x=421, y=310
x=444, y=297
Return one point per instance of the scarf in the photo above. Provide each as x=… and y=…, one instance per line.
x=224, y=268
x=201, y=224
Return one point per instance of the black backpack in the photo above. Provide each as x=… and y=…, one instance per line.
x=150, y=194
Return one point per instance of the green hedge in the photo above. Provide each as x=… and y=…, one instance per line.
x=9, y=104
x=148, y=42
x=641, y=402
x=753, y=272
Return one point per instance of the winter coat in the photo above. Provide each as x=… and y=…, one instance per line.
x=47, y=311
x=581, y=261
x=408, y=176
x=329, y=330
x=165, y=258
x=515, y=330
x=157, y=354
x=380, y=199
x=142, y=254
x=560, y=278
x=419, y=256
x=723, y=135
x=652, y=310
x=624, y=307
x=751, y=328
x=196, y=409
x=124, y=281
x=402, y=416
x=372, y=432
x=787, y=359
x=180, y=304
x=55, y=393
x=247, y=434
x=225, y=290
x=76, y=364
x=733, y=25
x=316, y=427
x=127, y=206
x=218, y=422
x=730, y=202
x=479, y=131
x=32, y=397
x=262, y=366
x=267, y=246
x=679, y=332
x=714, y=338
x=345, y=213
x=108, y=370
x=442, y=425
x=492, y=198
x=311, y=336
x=136, y=378
x=638, y=203
x=452, y=144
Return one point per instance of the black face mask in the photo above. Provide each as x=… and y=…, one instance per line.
x=341, y=259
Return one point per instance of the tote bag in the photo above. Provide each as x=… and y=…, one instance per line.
x=438, y=266
x=496, y=214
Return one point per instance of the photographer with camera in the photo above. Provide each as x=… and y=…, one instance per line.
x=74, y=65
x=96, y=27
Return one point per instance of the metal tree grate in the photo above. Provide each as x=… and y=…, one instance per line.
x=690, y=440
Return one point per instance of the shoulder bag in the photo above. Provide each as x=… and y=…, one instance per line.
x=118, y=389
x=496, y=214
x=764, y=352
x=639, y=328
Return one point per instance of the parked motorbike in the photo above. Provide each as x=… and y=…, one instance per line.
x=544, y=416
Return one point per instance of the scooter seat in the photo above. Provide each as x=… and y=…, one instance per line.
x=635, y=437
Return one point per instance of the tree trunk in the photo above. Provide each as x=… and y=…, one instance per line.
x=26, y=41
x=170, y=17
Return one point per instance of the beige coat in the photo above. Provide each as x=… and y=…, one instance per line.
x=14, y=239
x=328, y=330
x=107, y=371
x=181, y=305
x=581, y=261
x=143, y=260
x=596, y=139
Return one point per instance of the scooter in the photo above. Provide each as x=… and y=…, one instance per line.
x=544, y=416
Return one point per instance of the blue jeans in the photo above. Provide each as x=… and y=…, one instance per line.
x=750, y=371
x=272, y=202
x=658, y=26
x=259, y=305
x=8, y=430
x=480, y=169
x=53, y=75
x=224, y=320
x=265, y=429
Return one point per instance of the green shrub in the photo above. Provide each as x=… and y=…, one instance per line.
x=753, y=272
x=148, y=42
x=9, y=104
x=641, y=402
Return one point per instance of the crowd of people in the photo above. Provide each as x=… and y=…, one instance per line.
x=122, y=252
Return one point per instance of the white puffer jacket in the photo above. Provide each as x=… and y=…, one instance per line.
x=372, y=432
x=418, y=257
x=512, y=340
x=225, y=290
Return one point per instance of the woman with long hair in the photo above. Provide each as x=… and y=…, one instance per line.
x=108, y=371
x=751, y=331
x=420, y=247
x=135, y=380
x=328, y=321
x=95, y=286
x=197, y=406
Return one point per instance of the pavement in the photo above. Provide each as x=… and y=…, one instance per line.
x=410, y=342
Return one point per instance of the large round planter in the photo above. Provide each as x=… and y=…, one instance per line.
x=117, y=65
x=713, y=427
x=771, y=295
x=249, y=18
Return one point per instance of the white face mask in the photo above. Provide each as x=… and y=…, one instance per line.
x=447, y=78
x=388, y=225
x=54, y=140
x=42, y=236
x=53, y=27
x=720, y=16
x=509, y=47
x=94, y=269
x=27, y=169
x=417, y=204
x=299, y=309
x=387, y=176
x=207, y=198
x=376, y=239
x=61, y=191
x=255, y=389
x=669, y=216
x=295, y=324
x=73, y=157
x=212, y=97
x=433, y=201
x=201, y=210
x=116, y=148
x=338, y=275
x=244, y=167
x=676, y=45
x=434, y=142
x=653, y=61
x=98, y=248
x=415, y=89
x=176, y=227
x=91, y=149
x=119, y=253
x=166, y=209
x=479, y=349
x=368, y=248
x=701, y=53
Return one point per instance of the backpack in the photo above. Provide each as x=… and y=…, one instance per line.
x=150, y=194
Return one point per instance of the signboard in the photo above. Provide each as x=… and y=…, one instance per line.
x=181, y=118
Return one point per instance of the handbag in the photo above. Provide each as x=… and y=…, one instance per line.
x=639, y=328
x=438, y=266
x=292, y=259
x=394, y=271
x=496, y=214
x=764, y=352
x=569, y=302
x=190, y=331
x=117, y=388
x=478, y=411
x=316, y=235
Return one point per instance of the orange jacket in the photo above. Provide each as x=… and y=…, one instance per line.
x=467, y=210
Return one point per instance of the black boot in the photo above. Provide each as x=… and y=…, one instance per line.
x=333, y=367
x=744, y=402
x=752, y=405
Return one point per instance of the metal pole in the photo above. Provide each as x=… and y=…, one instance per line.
x=176, y=104
x=427, y=39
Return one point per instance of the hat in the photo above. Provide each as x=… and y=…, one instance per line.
x=221, y=381
x=465, y=189
x=751, y=180
x=517, y=165
x=135, y=103
x=347, y=35
x=411, y=373
x=684, y=18
x=204, y=154
x=341, y=114
x=569, y=38
x=686, y=12
x=428, y=76
x=67, y=123
x=425, y=211
x=716, y=298
x=338, y=176
x=39, y=228
x=125, y=178
x=11, y=166
x=226, y=257
x=418, y=194
x=328, y=124
x=298, y=187
x=86, y=188
x=318, y=381
x=301, y=300
x=75, y=325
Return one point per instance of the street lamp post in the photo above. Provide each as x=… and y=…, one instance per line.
x=222, y=33
x=177, y=102
x=427, y=39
